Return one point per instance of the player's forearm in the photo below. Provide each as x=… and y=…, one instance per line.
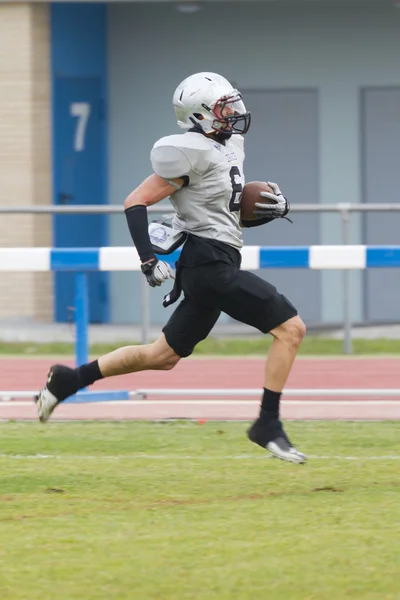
x=135, y=206
x=138, y=225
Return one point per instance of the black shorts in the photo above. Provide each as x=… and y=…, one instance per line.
x=220, y=286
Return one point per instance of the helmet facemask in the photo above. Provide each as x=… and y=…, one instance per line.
x=230, y=115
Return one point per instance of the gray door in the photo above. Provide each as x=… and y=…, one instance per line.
x=380, y=119
x=282, y=146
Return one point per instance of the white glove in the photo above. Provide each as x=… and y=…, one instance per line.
x=157, y=272
x=279, y=207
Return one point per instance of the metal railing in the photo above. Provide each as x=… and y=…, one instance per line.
x=344, y=209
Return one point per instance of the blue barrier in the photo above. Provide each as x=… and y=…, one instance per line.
x=82, y=260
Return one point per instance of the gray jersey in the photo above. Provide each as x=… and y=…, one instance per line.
x=208, y=206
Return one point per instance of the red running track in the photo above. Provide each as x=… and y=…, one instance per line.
x=30, y=374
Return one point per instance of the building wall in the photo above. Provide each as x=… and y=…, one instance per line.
x=25, y=173
x=334, y=47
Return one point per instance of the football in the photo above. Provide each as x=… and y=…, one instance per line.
x=251, y=195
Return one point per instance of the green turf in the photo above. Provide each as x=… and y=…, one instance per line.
x=182, y=511
x=212, y=346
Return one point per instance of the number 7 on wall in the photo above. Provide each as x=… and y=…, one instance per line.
x=81, y=110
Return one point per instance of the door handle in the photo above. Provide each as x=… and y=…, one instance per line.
x=63, y=198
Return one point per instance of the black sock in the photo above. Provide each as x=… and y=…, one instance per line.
x=270, y=404
x=63, y=381
x=89, y=373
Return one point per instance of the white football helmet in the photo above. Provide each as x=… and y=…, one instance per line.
x=199, y=101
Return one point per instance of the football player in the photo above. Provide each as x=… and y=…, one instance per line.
x=201, y=171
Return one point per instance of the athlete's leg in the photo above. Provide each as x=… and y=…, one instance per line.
x=267, y=431
x=189, y=324
x=130, y=359
x=63, y=381
x=252, y=300
x=283, y=351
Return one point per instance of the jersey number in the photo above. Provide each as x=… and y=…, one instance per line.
x=237, y=189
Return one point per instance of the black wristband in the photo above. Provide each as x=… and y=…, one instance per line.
x=138, y=224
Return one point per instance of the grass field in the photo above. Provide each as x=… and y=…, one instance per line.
x=180, y=511
x=225, y=347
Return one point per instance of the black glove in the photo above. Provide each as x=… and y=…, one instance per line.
x=157, y=272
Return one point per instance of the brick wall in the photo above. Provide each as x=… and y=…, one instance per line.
x=25, y=151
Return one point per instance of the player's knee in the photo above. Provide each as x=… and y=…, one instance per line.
x=296, y=331
x=300, y=330
x=292, y=332
x=169, y=362
x=164, y=357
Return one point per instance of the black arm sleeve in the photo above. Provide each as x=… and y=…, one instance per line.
x=257, y=222
x=138, y=224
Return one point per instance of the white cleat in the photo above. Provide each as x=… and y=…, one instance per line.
x=281, y=448
x=46, y=403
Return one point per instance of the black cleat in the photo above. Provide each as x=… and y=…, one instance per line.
x=271, y=436
x=62, y=382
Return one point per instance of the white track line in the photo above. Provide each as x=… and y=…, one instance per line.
x=212, y=403
x=141, y=456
